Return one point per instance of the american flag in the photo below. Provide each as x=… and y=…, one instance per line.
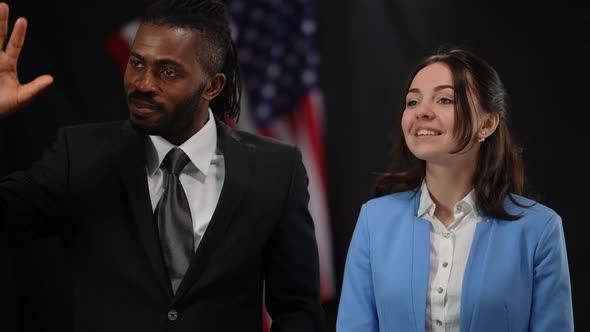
x=279, y=60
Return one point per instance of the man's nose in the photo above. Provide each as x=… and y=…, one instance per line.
x=145, y=82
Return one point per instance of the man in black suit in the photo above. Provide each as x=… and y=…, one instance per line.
x=101, y=185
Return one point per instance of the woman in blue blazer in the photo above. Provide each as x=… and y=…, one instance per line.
x=450, y=244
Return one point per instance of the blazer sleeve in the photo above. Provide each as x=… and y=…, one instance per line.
x=552, y=299
x=292, y=283
x=30, y=200
x=357, y=310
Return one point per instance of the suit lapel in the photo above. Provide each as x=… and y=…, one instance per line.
x=135, y=182
x=237, y=166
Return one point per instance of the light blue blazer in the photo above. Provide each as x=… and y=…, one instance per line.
x=516, y=279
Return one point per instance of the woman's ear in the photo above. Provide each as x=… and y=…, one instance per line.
x=488, y=125
x=214, y=87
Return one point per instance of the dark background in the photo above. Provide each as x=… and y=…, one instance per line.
x=367, y=49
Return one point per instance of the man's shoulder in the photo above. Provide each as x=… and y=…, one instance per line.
x=103, y=137
x=260, y=142
x=96, y=127
x=273, y=153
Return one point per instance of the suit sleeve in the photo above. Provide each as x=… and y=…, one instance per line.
x=552, y=298
x=357, y=310
x=292, y=264
x=30, y=201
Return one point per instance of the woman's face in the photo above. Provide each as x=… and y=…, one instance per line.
x=428, y=120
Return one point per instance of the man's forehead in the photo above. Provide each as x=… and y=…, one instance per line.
x=166, y=38
x=168, y=45
x=168, y=30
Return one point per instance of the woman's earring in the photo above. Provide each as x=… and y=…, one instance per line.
x=483, y=138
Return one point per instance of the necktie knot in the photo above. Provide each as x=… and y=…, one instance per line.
x=175, y=161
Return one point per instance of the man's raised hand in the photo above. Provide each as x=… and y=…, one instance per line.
x=13, y=94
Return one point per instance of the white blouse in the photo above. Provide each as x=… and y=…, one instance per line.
x=449, y=250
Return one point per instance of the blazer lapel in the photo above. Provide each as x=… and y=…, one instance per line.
x=133, y=176
x=420, y=264
x=420, y=269
x=474, y=274
x=237, y=166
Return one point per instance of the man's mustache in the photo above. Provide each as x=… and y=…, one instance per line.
x=144, y=100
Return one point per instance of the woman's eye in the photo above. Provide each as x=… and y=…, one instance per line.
x=411, y=103
x=445, y=101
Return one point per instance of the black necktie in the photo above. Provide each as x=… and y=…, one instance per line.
x=174, y=219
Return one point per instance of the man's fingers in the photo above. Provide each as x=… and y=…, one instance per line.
x=17, y=38
x=28, y=91
x=3, y=23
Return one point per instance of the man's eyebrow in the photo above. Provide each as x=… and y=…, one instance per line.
x=136, y=55
x=164, y=61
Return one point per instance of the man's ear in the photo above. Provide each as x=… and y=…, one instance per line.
x=214, y=87
x=489, y=125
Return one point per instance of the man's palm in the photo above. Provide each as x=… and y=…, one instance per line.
x=13, y=94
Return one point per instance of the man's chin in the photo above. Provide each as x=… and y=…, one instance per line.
x=143, y=127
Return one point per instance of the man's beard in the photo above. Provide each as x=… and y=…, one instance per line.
x=177, y=121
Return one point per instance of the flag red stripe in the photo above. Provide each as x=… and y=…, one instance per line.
x=266, y=131
x=311, y=122
x=266, y=322
x=119, y=49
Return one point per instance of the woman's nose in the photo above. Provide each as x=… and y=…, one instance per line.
x=424, y=112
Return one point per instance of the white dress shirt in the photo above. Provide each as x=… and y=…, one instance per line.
x=449, y=250
x=202, y=178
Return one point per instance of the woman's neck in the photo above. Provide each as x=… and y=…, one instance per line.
x=448, y=186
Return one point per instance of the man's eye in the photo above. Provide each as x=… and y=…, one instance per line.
x=168, y=72
x=135, y=63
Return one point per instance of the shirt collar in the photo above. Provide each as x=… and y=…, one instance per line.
x=199, y=148
x=427, y=205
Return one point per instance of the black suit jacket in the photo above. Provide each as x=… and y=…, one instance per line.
x=91, y=189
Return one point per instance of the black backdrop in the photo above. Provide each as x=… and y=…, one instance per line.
x=367, y=49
